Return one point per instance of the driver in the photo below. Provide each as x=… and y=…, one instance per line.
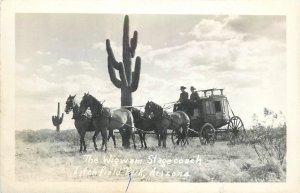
x=183, y=99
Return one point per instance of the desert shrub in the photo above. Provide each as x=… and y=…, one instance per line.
x=268, y=137
x=270, y=171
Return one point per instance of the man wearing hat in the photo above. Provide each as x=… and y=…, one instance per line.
x=194, y=95
x=194, y=98
x=183, y=99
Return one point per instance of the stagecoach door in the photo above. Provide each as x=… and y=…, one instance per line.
x=209, y=111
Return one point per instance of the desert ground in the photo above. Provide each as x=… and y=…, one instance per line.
x=47, y=155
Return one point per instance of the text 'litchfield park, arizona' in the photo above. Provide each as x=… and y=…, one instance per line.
x=153, y=165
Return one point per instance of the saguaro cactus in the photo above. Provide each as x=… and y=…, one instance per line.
x=56, y=120
x=129, y=80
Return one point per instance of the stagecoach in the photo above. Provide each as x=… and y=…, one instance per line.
x=210, y=116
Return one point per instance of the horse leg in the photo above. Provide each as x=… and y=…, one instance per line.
x=122, y=135
x=185, y=133
x=108, y=137
x=179, y=134
x=80, y=150
x=111, y=133
x=133, y=139
x=114, y=139
x=144, y=139
x=164, y=139
x=94, y=138
x=157, y=135
x=104, y=139
x=141, y=138
x=159, y=140
x=83, y=141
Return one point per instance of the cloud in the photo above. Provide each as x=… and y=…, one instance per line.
x=271, y=27
x=27, y=60
x=209, y=29
x=80, y=65
x=86, y=65
x=64, y=62
x=34, y=84
x=47, y=68
x=39, y=52
x=99, y=45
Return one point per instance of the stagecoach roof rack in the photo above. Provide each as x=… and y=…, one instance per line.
x=211, y=91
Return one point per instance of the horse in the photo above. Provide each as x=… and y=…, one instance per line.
x=104, y=118
x=142, y=124
x=163, y=120
x=83, y=122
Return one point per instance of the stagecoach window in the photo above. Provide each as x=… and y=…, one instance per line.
x=218, y=106
x=209, y=107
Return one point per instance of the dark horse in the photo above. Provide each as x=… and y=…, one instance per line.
x=177, y=121
x=142, y=124
x=104, y=118
x=83, y=122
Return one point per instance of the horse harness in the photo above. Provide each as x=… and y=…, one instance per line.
x=168, y=117
x=104, y=113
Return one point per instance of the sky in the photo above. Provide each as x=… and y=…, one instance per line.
x=62, y=54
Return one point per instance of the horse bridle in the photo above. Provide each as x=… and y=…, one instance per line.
x=156, y=109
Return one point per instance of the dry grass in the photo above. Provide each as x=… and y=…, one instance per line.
x=45, y=155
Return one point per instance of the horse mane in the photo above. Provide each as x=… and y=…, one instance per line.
x=96, y=102
x=137, y=112
x=157, y=107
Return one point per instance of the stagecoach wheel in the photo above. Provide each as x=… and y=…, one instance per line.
x=207, y=134
x=178, y=138
x=236, y=130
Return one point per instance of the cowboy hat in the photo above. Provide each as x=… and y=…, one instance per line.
x=193, y=88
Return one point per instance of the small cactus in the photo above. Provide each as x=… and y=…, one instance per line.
x=56, y=120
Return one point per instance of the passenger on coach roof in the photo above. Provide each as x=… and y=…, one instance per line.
x=193, y=103
x=194, y=95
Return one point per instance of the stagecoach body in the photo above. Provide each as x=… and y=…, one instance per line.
x=211, y=115
x=211, y=109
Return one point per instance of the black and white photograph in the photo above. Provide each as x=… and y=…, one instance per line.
x=131, y=98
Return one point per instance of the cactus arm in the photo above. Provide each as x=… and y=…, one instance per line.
x=136, y=74
x=133, y=43
x=61, y=119
x=53, y=120
x=110, y=53
x=112, y=74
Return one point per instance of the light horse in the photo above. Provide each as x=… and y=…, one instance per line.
x=142, y=124
x=177, y=121
x=104, y=118
x=83, y=122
